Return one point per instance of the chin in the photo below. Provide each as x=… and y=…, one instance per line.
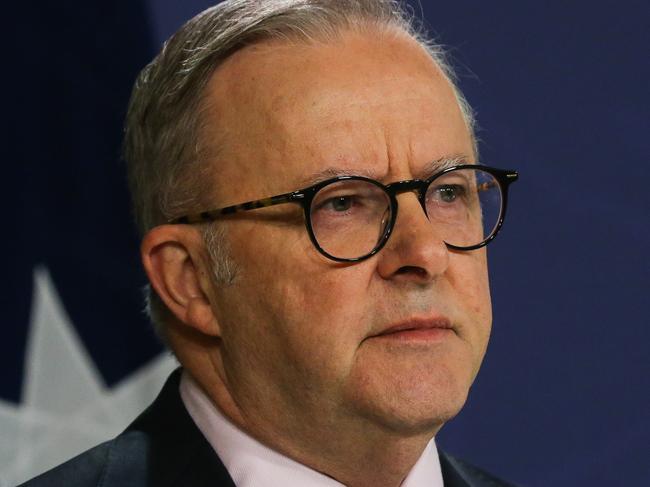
x=411, y=405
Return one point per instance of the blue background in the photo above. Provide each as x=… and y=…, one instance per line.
x=561, y=91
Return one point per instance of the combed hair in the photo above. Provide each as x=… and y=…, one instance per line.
x=169, y=165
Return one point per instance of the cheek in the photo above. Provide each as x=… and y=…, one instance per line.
x=471, y=284
x=310, y=310
x=468, y=275
x=327, y=311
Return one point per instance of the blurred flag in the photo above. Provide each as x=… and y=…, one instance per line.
x=78, y=358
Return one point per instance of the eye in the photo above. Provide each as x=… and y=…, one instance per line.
x=448, y=193
x=349, y=199
x=340, y=203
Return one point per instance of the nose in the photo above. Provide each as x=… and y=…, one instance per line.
x=414, y=252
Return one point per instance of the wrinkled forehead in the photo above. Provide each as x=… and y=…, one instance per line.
x=283, y=110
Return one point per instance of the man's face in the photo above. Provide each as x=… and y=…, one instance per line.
x=305, y=341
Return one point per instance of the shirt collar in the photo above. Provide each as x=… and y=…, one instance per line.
x=253, y=464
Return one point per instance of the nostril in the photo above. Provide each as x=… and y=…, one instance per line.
x=413, y=270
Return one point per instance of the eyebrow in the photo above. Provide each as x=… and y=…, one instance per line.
x=333, y=172
x=427, y=171
x=438, y=165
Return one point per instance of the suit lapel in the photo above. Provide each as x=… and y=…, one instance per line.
x=457, y=473
x=452, y=471
x=177, y=454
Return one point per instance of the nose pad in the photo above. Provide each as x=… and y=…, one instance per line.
x=385, y=219
x=423, y=202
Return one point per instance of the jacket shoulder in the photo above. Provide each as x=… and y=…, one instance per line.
x=161, y=448
x=121, y=461
x=84, y=470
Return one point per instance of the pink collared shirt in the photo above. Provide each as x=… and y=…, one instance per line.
x=252, y=464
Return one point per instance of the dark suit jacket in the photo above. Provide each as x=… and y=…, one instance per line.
x=164, y=448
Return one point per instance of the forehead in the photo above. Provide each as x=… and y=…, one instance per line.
x=374, y=103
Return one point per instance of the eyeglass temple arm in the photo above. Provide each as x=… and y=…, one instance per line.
x=511, y=177
x=211, y=215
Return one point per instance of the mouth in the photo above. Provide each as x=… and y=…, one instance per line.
x=418, y=330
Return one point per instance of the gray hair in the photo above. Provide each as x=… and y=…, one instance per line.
x=169, y=163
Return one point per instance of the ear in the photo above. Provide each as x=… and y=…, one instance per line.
x=177, y=266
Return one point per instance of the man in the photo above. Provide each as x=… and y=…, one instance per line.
x=304, y=175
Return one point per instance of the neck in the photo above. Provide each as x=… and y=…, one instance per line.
x=356, y=464
x=356, y=454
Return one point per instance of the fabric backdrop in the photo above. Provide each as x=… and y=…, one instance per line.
x=561, y=93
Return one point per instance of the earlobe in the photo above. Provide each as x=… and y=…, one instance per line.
x=199, y=314
x=173, y=260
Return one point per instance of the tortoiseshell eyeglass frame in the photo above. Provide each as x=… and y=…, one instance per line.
x=305, y=196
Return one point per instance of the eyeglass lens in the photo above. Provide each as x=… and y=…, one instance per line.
x=349, y=218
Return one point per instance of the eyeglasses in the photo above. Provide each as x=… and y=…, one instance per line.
x=350, y=218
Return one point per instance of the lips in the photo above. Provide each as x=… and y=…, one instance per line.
x=418, y=329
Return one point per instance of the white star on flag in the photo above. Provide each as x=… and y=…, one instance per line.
x=66, y=408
